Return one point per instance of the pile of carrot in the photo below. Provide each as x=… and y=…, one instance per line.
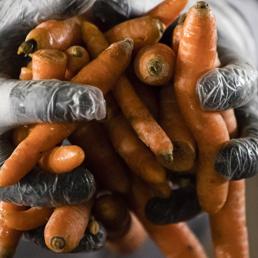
x=154, y=128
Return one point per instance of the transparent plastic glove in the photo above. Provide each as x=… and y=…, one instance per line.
x=234, y=86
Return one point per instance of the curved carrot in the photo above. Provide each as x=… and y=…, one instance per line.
x=168, y=10
x=66, y=226
x=48, y=64
x=78, y=57
x=52, y=34
x=154, y=64
x=9, y=238
x=62, y=159
x=102, y=72
x=197, y=55
x=231, y=122
x=144, y=31
x=26, y=219
x=109, y=170
x=178, y=32
x=174, y=125
x=25, y=74
x=229, y=231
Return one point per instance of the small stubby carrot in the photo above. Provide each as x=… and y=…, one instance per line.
x=231, y=122
x=154, y=64
x=66, y=227
x=25, y=74
x=102, y=72
x=48, y=64
x=146, y=127
x=52, y=34
x=108, y=168
x=144, y=31
x=93, y=38
x=196, y=55
x=135, y=154
x=168, y=10
x=229, y=230
x=62, y=159
x=185, y=244
x=178, y=32
x=9, y=238
x=19, y=134
x=172, y=122
x=78, y=57
x=28, y=219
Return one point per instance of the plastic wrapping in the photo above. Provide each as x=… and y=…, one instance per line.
x=39, y=188
x=88, y=243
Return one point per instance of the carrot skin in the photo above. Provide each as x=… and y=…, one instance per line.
x=25, y=74
x=231, y=122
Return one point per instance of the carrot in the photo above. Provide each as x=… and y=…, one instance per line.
x=9, y=238
x=25, y=74
x=102, y=73
x=62, y=159
x=154, y=64
x=24, y=220
x=78, y=57
x=19, y=134
x=168, y=10
x=66, y=226
x=174, y=240
x=178, y=32
x=143, y=123
x=231, y=123
x=229, y=231
x=144, y=31
x=197, y=55
x=136, y=155
x=110, y=171
x=52, y=34
x=48, y=64
x=162, y=190
x=93, y=38
x=172, y=122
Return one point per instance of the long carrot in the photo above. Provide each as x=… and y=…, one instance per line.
x=229, y=231
x=9, y=238
x=102, y=72
x=174, y=125
x=174, y=240
x=25, y=74
x=168, y=10
x=178, y=32
x=24, y=220
x=62, y=159
x=110, y=171
x=154, y=64
x=52, y=34
x=66, y=226
x=144, y=31
x=197, y=55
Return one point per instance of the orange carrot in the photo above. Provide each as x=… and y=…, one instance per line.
x=25, y=74
x=185, y=244
x=144, y=31
x=143, y=123
x=93, y=38
x=231, y=123
x=66, y=226
x=154, y=64
x=178, y=32
x=26, y=219
x=197, y=55
x=62, y=159
x=52, y=34
x=172, y=122
x=78, y=57
x=110, y=171
x=168, y=10
x=48, y=64
x=9, y=238
x=229, y=231
x=102, y=73
x=136, y=155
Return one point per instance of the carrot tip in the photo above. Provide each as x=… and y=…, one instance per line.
x=166, y=160
x=161, y=27
x=94, y=227
x=182, y=18
x=76, y=51
x=130, y=42
x=27, y=47
x=155, y=67
x=57, y=243
x=202, y=5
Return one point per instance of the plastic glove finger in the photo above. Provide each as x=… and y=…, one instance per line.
x=229, y=87
x=43, y=189
x=26, y=102
x=238, y=159
x=181, y=206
